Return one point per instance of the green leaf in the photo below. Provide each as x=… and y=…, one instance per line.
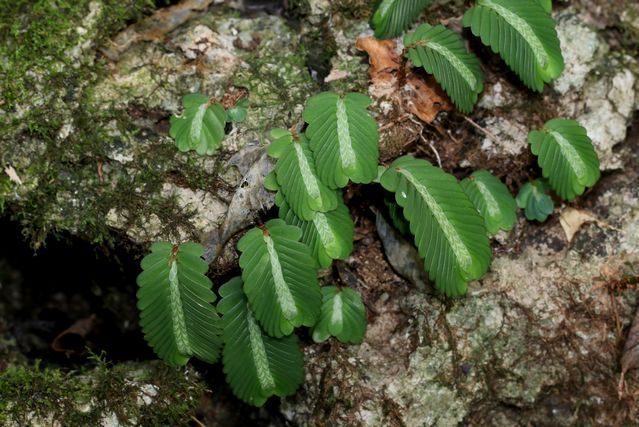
x=449, y=232
x=566, y=156
x=329, y=235
x=280, y=278
x=523, y=33
x=536, y=203
x=343, y=137
x=238, y=113
x=396, y=216
x=492, y=199
x=201, y=126
x=442, y=52
x=174, y=298
x=392, y=17
x=256, y=366
x=343, y=316
x=297, y=177
x=546, y=4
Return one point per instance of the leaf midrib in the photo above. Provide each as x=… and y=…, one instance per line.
x=571, y=155
x=282, y=292
x=308, y=178
x=258, y=352
x=177, y=312
x=523, y=28
x=455, y=62
x=462, y=255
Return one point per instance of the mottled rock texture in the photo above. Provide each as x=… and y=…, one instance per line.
x=536, y=342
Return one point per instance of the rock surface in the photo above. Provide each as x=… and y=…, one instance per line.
x=536, y=341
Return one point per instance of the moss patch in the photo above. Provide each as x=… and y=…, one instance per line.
x=151, y=395
x=53, y=135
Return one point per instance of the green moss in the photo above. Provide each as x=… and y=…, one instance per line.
x=45, y=90
x=37, y=37
x=84, y=398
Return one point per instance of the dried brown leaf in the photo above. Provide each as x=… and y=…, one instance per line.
x=572, y=219
x=422, y=96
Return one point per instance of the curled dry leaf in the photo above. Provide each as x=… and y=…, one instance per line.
x=401, y=254
x=419, y=94
x=572, y=219
x=72, y=341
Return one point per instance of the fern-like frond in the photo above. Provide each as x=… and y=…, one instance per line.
x=280, y=278
x=297, y=177
x=523, y=33
x=343, y=137
x=329, y=235
x=200, y=127
x=392, y=17
x=256, y=366
x=535, y=201
x=566, y=156
x=343, y=316
x=441, y=52
x=449, y=232
x=492, y=199
x=174, y=298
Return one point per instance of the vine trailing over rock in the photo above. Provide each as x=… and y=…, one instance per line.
x=337, y=144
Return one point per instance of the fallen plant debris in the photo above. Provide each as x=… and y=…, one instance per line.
x=414, y=91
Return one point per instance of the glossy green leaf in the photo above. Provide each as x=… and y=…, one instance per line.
x=523, y=33
x=280, y=277
x=546, y=4
x=492, y=199
x=392, y=17
x=200, y=127
x=343, y=137
x=535, y=201
x=297, y=176
x=256, y=366
x=343, y=316
x=449, y=232
x=566, y=156
x=174, y=298
x=329, y=235
x=442, y=53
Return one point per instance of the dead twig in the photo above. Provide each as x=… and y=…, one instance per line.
x=485, y=131
x=429, y=143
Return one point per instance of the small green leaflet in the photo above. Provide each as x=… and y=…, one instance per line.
x=329, y=235
x=442, y=52
x=392, y=17
x=297, y=177
x=492, y=199
x=201, y=125
x=343, y=316
x=238, y=113
x=256, y=366
x=566, y=156
x=174, y=298
x=523, y=33
x=535, y=201
x=449, y=232
x=343, y=137
x=280, y=278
